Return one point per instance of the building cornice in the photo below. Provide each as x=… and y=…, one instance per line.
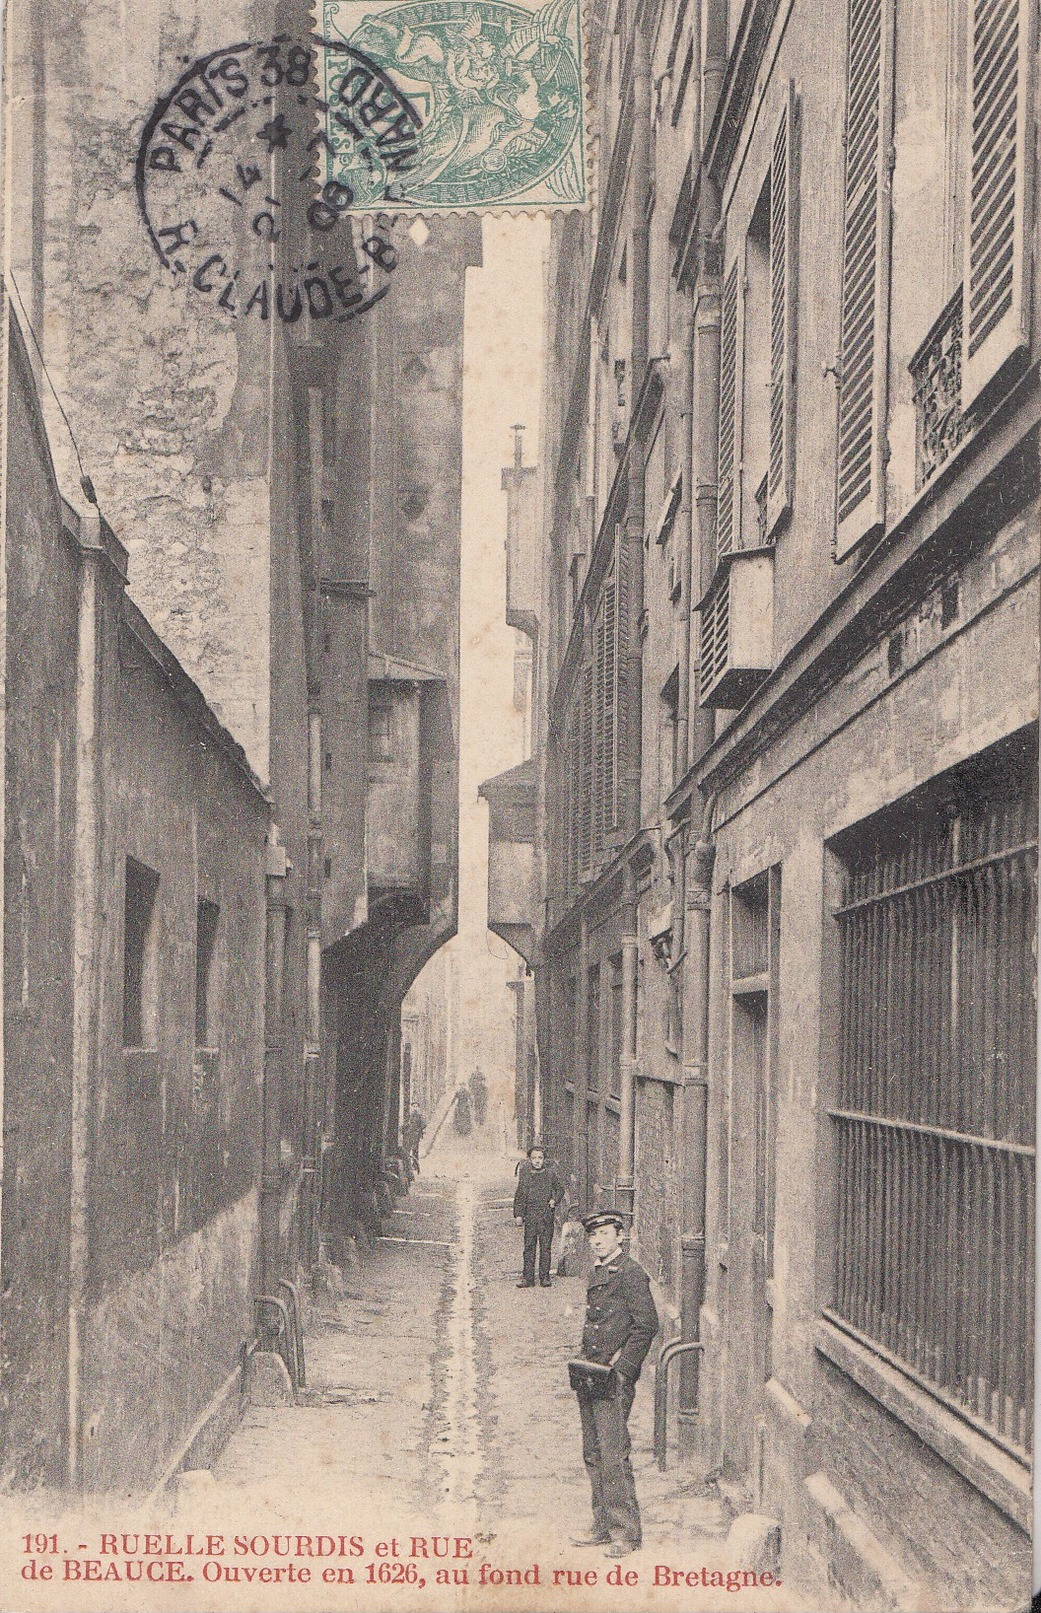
x=637, y=853
x=942, y=526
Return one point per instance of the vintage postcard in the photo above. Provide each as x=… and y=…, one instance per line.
x=519, y=553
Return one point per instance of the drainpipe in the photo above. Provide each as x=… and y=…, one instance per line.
x=313, y=997
x=700, y=851
x=581, y=1115
x=685, y=533
x=312, y=1072
x=274, y=976
x=84, y=961
x=633, y=562
x=626, y=1181
x=701, y=858
x=634, y=516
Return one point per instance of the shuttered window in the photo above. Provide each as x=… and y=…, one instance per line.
x=607, y=711
x=783, y=241
x=995, y=305
x=585, y=772
x=728, y=518
x=571, y=764
x=863, y=348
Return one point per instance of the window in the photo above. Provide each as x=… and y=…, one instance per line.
x=381, y=731
x=139, y=955
x=586, y=756
x=935, y=1107
x=593, y=1030
x=755, y=917
x=864, y=338
x=671, y=761
x=757, y=358
x=206, y=916
x=997, y=239
x=615, y=1073
x=755, y=408
x=605, y=641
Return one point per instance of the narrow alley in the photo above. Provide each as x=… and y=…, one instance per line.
x=440, y=1392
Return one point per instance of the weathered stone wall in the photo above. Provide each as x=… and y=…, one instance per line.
x=42, y=584
x=113, y=754
x=161, y=1344
x=169, y=398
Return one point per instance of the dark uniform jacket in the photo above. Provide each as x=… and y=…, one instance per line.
x=621, y=1319
x=538, y=1193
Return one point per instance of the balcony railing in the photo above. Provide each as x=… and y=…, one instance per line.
x=936, y=373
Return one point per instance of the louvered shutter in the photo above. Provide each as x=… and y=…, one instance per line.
x=571, y=797
x=609, y=706
x=585, y=772
x=864, y=342
x=599, y=723
x=784, y=218
x=728, y=509
x=996, y=304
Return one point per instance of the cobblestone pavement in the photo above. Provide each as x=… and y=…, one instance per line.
x=437, y=1404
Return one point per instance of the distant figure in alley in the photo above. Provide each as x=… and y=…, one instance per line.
x=539, y=1191
x=462, y=1118
x=621, y=1321
x=479, y=1096
x=415, y=1126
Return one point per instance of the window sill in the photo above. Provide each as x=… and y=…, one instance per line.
x=989, y=1469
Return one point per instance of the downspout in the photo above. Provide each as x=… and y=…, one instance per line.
x=313, y=1000
x=699, y=855
x=84, y=961
x=626, y=1182
x=634, y=514
x=313, y=557
x=701, y=859
x=274, y=996
x=581, y=1115
x=634, y=531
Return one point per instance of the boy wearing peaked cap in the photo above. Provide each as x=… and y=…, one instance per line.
x=621, y=1321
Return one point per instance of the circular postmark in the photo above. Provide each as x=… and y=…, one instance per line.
x=230, y=185
x=498, y=85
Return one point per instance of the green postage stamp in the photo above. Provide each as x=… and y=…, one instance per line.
x=465, y=105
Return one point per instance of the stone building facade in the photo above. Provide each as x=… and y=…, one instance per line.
x=135, y=848
x=785, y=797
x=282, y=468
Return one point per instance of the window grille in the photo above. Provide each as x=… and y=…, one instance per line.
x=935, y=1113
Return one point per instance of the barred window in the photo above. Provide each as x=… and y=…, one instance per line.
x=935, y=1111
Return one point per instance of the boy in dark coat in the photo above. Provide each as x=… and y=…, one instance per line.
x=621, y=1321
x=539, y=1191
